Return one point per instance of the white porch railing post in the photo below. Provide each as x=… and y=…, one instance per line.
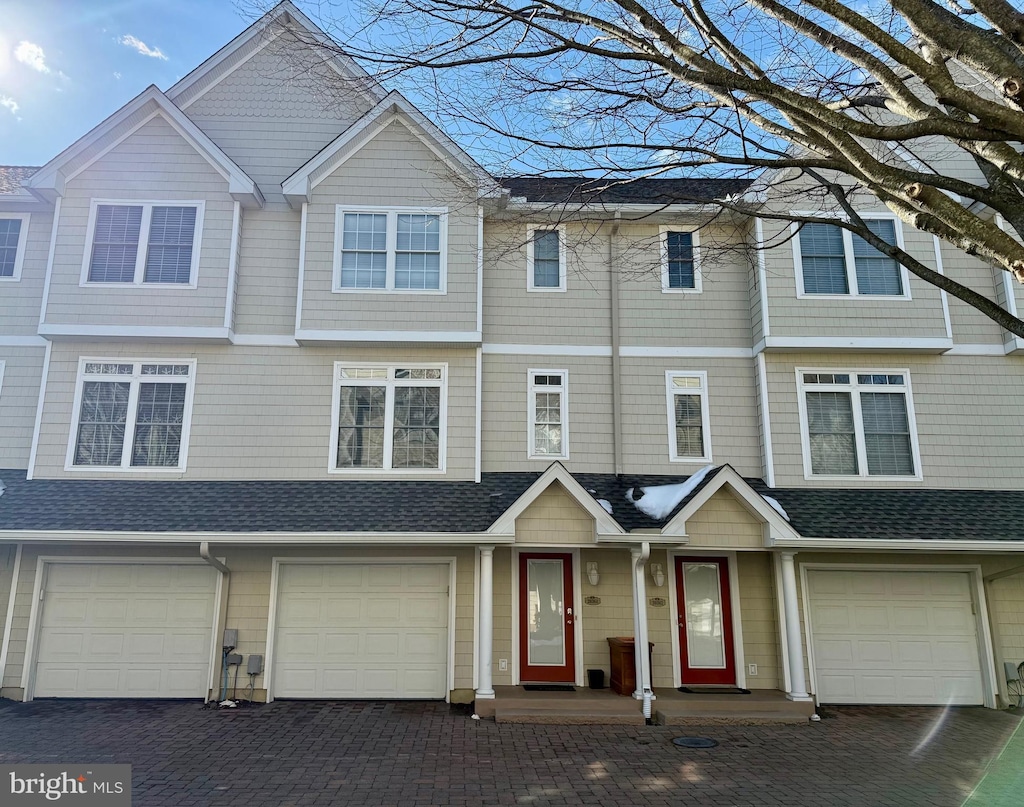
x=794, y=646
x=485, y=687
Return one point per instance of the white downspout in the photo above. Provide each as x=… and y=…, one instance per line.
x=640, y=643
x=204, y=553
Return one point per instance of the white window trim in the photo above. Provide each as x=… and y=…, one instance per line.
x=389, y=414
x=562, y=274
x=531, y=412
x=19, y=254
x=147, y=206
x=849, y=261
x=698, y=285
x=854, y=389
x=391, y=211
x=129, y=435
x=705, y=413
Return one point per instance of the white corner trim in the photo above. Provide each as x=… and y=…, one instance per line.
x=299, y=293
x=229, y=298
x=937, y=247
x=762, y=276
x=766, y=421
x=33, y=452
x=480, y=268
x=478, y=414
x=49, y=260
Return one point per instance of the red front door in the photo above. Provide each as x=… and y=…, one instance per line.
x=705, y=621
x=547, y=614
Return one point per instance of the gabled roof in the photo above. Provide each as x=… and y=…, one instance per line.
x=282, y=17
x=49, y=181
x=623, y=190
x=299, y=186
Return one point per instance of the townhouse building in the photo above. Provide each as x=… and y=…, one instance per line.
x=278, y=356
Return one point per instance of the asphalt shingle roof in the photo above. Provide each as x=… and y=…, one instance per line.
x=459, y=507
x=11, y=177
x=565, y=190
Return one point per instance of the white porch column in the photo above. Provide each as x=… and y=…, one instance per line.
x=794, y=647
x=638, y=556
x=485, y=687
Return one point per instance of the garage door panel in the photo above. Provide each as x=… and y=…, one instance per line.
x=95, y=641
x=915, y=644
x=381, y=631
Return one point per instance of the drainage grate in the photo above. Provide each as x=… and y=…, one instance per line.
x=694, y=742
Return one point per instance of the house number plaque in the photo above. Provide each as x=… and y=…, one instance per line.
x=657, y=602
x=592, y=600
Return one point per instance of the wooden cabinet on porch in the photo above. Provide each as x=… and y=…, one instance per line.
x=623, y=661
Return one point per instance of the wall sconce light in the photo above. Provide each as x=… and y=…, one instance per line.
x=592, y=574
x=658, y=574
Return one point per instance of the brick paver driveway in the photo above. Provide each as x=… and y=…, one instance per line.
x=415, y=754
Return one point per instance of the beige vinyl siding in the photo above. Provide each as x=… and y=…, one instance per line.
x=394, y=169
x=505, y=602
x=19, y=393
x=20, y=299
x=719, y=316
x=723, y=522
x=732, y=405
x=505, y=433
x=759, y=619
x=259, y=413
x=970, y=326
x=581, y=315
x=1005, y=597
x=268, y=272
x=152, y=164
x=968, y=411
x=275, y=110
x=555, y=518
x=855, y=315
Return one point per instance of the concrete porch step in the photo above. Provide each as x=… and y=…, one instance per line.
x=567, y=716
x=746, y=718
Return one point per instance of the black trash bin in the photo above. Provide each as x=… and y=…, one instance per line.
x=595, y=679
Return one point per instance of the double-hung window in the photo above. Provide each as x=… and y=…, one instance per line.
x=679, y=266
x=132, y=415
x=689, y=429
x=545, y=258
x=143, y=243
x=389, y=418
x=833, y=261
x=395, y=249
x=548, y=410
x=858, y=423
x=13, y=234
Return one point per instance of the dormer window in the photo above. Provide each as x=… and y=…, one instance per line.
x=143, y=243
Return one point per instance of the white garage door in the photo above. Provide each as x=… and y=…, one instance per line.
x=361, y=631
x=125, y=631
x=894, y=637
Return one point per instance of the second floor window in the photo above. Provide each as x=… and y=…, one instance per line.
x=548, y=414
x=12, y=245
x=145, y=243
x=390, y=250
x=389, y=418
x=132, y=415
x=834, y=261
x=858, y=424
x=689, y=429
x=679, y=261
x=545, y=259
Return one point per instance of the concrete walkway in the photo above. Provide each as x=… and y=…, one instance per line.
x=417, y=754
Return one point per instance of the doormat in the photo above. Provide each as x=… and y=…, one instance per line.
x=714, y=691
x=549, y=687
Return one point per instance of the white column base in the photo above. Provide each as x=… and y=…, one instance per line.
x=802, y=698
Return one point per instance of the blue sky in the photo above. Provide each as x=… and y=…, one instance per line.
x=65, y=65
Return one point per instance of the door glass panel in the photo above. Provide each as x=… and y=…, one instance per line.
x=704, y=634
x=546, y=616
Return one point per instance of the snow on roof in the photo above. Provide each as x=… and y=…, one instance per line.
x=607, y=505
x=658, y=501
x=775, y=504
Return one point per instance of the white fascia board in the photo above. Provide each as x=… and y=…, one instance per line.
x=556, y=472
x=753, y=501
x=309, y=337
x=284, y=13
x=884, y=344
x=643, y=536
x=22, y=341
x=921, y=545
x=50, y=179
x=155, y=333
x=298, y=187
x=645, y=213
x=262, y=538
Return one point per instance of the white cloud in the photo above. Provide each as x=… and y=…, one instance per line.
x=9, y=103
x=141, y=47
x=117, y=75
x=32, y=55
